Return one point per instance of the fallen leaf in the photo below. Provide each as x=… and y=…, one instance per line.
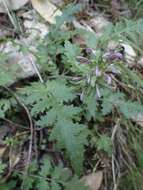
x=11, y=5
x=46, y=9
x=94, y=180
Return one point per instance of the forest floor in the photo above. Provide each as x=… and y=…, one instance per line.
x=71, y=95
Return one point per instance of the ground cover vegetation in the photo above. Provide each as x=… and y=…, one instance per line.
x=82, y=116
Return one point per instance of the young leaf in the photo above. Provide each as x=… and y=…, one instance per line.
x=104, y=143
x=42, y=184
x=72, y=137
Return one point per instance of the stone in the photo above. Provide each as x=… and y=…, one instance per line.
x=138, y=119
x=17, y=65
x=11, y=5
x=94, y=180
x=34, y=28
x=140, y=62
x=130, y=55
x=47, y=10
x=112, y=45
x=98, y=23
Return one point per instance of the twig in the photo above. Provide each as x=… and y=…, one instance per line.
x=115, y=130
x=124, y=86
x=8, y=12
x=34, y=65
x=13, y=124
x=36, y=69
x=35, y=145
x=113, y=156
x=29, y=118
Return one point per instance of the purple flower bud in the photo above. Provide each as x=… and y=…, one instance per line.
x=83, y=60
x=90, y=51
x=113, y=56
x=97, y=71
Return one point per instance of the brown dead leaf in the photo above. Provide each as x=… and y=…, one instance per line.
x=11, y=4
x=94, y=180
x=46, y=9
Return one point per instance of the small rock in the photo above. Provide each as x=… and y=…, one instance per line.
x=11, y=5
x=94, y=180
x=35, y=30
x=47, y=10
x=18, y=65
x=140, y=62
x=112, y=45
x=98, y=24
x=34, y=27
x=130, y=55
x=139, y=119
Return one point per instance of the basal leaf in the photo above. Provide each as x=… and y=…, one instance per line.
x=72, y=137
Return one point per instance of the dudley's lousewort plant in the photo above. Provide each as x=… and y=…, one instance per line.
x=81, y=119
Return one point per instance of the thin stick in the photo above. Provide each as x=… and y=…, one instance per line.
x=113, y=156
x=29, y=118
x=36, y=69
x=13, y=124
x=34, y=65
x=8, y=12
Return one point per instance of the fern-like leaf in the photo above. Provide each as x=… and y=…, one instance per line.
x=72, y=137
